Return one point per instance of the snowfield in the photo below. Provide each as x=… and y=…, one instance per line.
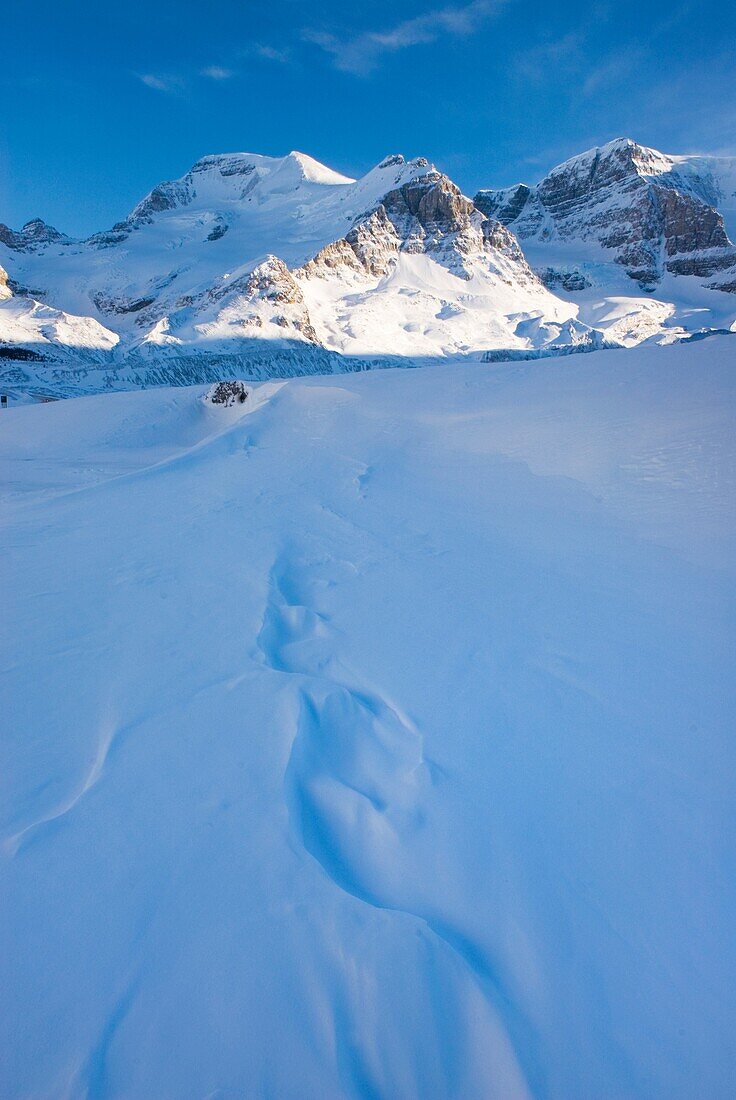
x=374, y=737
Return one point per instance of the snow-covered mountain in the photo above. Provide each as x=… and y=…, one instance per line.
x=654, y=214
x=273, y=266
x=624, y=212
x=283, y=263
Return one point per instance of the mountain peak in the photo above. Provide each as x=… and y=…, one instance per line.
x=391, y=160
x=315, y=172
x=243, y=164
x=628, y=155
x=35, y=232
x=651, y=213
x=619, y=143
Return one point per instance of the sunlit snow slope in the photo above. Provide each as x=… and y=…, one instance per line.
x=373, y=738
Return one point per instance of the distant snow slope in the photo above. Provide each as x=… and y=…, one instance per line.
x=374, y=737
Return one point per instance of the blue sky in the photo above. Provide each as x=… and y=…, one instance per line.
x=100, y=102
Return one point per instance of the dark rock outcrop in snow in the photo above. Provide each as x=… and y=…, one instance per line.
x=227, y=393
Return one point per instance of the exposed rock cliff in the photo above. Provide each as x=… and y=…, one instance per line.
x=636, y=203
x=426, y=216
x=32, y=236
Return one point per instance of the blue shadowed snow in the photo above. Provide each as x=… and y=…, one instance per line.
x=373, y=738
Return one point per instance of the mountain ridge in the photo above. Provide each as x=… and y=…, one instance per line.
x=653, y=212
x=253, y=256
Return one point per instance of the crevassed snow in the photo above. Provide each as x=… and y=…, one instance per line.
x=373, y=738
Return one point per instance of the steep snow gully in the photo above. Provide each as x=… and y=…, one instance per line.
x=373, y=738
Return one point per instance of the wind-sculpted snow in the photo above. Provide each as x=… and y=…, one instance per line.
x=371, y=737
x=358, y=783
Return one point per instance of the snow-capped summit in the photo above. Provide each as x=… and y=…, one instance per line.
x=233, y=178
x=651, y=213
x=295, y=187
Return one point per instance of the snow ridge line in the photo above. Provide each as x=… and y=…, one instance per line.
x=14, y=843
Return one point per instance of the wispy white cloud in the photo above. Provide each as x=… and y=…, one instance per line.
x=613, y=68
x=364, y=52
x=538, y=62
x=160, y=82
x=572, y=60
x=216, y=72
x=269, y=53
x=173, y=83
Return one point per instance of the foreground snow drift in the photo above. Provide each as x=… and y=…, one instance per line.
x=371, y=737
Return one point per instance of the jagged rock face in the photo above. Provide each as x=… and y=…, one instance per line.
x=689, y=225
x=108, y=239
x=33, y=235
x=498, y=238
x=429, y=216
x=370, y=248
x=567, y=186
x=506, y=206
x=167, y=196
x=107, y=304
x=433, y=200
x=265, y=303
x=374, y=242
x=272, y=295
x=272, y=281
x=567, y=279
x=632, y=202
